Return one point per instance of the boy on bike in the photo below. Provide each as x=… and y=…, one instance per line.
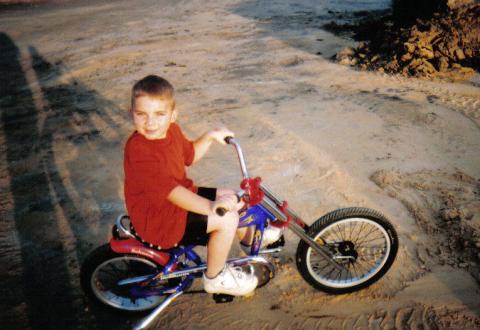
x=165, y=207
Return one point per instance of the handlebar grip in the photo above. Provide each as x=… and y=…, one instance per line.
x=227, y=139
x=221, y=210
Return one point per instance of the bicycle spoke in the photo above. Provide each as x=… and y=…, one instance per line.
x=370, y=241
x=341, y=232
x=110, y=273
x=106, y=286
x=350, y=230
x=368, y=265
x=114, y=268
x=366, y=235
x=354, y=268
x=338, y=238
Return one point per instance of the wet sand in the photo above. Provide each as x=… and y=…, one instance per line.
x=322, y=135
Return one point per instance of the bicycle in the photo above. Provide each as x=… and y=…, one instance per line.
x=343, y=251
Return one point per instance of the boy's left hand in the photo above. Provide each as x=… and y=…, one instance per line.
x=219, y=134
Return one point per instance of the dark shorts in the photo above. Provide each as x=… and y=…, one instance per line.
x=196, y=229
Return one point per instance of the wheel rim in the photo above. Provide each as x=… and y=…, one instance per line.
x=106, y=276
x=371, y=245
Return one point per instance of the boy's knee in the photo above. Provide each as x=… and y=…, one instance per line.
x=227, y=222
x=230, y=220
x=233, y=217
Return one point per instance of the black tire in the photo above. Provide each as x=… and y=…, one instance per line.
x=103, y=268
x=341, y=231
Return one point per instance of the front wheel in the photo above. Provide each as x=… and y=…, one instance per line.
x=103, y=269
x=362, y=241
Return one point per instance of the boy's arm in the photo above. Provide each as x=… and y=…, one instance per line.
x=188, y=200
x=203, y=143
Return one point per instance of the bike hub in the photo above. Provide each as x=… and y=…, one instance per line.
x=346, y=250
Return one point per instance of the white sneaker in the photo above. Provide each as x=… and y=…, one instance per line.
x=231, y=280
x=271, y=234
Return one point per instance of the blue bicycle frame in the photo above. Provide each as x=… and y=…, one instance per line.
x=256, y=215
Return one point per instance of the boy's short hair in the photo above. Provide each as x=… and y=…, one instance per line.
x=153, y=86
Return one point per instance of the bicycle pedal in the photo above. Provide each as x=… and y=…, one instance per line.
x=221, y=298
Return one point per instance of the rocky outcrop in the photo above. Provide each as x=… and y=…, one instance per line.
x=444, y=46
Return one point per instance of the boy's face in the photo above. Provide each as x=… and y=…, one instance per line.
x=152, y=116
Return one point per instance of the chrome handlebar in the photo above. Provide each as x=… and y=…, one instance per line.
x=273, y=204
x=241, y=157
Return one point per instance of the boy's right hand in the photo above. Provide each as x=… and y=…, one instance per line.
x=219, y=134
x=227, y=202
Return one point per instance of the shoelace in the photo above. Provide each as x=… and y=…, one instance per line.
x=237, y=273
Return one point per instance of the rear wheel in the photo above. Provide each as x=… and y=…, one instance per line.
x=103, y=269
x=360, y=240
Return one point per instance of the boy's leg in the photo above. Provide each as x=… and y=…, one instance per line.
x=244, y=234
x=219, y=277
x=222, y=231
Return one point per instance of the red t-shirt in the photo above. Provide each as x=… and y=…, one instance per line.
x=153, y=168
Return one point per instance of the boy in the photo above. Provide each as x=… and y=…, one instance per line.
x=165, y=207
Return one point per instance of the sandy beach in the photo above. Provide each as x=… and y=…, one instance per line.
x=322, y=135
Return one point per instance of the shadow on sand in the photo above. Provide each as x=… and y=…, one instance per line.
x=47, y=232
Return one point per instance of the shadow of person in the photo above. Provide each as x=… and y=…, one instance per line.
x=76, y=118
x=47, y=229
x=39, y=282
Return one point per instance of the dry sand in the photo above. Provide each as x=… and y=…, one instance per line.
x=323, y=135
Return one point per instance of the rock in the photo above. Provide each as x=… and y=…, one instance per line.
x=415, y=63
x=445, y=39
x=459, y=54
x=451, y=214
x=291, y=61
x=347, y=51
x=392, y=66
x=409, y=47
x=346, y=61
x=467, y=70
x=425, y=69
x=442, y=64
x=458, y=3
x=429, y=66
x=406, y=57
x=426, y=53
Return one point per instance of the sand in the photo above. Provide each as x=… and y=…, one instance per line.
x=322, y=135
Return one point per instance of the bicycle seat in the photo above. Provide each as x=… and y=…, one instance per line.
x=123, y=229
